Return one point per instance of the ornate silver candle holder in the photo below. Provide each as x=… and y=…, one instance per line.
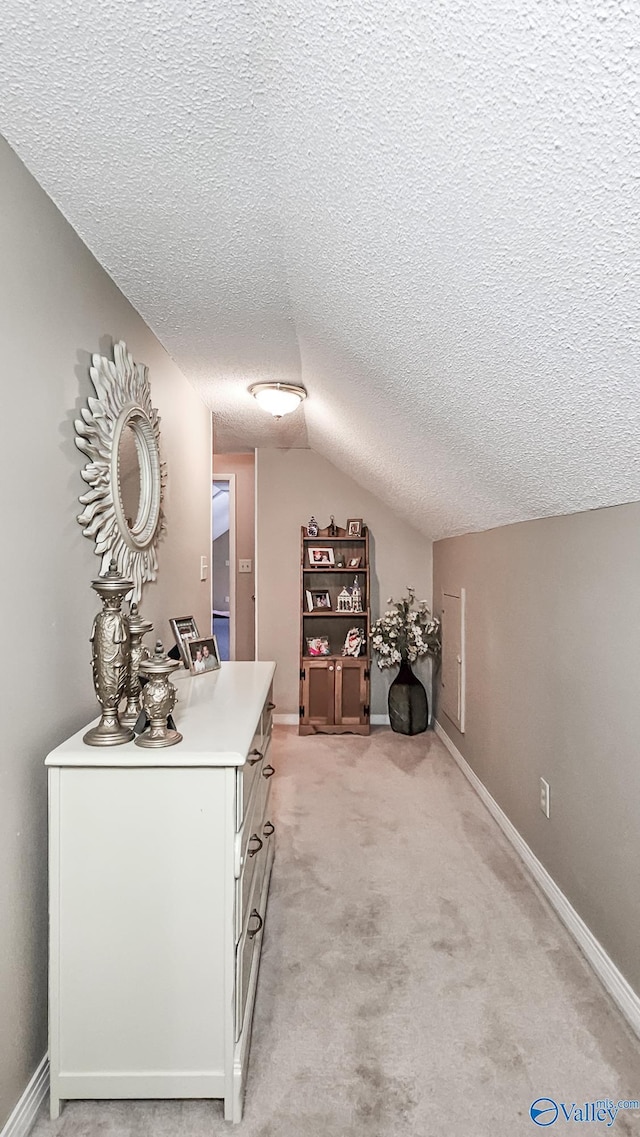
x=158, y=698
x=110, y=658
x=138, y=627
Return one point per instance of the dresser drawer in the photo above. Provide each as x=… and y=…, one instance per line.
x=249, y=946
x=246, y=777
x=267, y=716
x=256, y=838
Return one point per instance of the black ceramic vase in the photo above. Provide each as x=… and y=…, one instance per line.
x=408, y=705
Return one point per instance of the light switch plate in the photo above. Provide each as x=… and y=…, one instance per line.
x=204, y=568
x=244, y=566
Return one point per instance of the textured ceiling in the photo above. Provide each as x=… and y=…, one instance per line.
x=428, y=214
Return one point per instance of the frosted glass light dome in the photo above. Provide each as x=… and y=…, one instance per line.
x=278, y=398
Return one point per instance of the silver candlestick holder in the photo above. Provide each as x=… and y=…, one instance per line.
x=110, y=658
x=158, y=699
x=138, y=627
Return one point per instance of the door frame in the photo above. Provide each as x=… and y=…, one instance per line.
x=461, y=661
x=231, y=479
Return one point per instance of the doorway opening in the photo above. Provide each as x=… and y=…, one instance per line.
x=223, y=554
x=233, y=556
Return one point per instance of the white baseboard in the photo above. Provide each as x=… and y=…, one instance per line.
x=23, y=1117
x=611, y=978
x=293, y=720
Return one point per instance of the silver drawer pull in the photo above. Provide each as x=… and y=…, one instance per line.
x=255, y=915
x=258, y=758
x=254, y=837
x=268, y=772
x=268, y=828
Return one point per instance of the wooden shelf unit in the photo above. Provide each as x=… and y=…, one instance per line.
x=334, y=689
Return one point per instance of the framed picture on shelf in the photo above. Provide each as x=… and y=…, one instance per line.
x=184, y=628
x=355, y=562
x=320, y=558
x=320, y=600
x=318, y=645
x=203, y=655
x=354, y=527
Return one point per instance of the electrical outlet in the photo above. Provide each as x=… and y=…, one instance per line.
x=545, y=797
x=244, y=566
x=204, y=568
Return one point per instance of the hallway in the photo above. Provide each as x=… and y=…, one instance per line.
x=413, y=983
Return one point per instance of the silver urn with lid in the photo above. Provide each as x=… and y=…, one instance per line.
x=138, y=627
x=110, y=643
x=158, y=699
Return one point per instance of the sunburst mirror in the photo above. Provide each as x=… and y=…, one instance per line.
x=120, y=434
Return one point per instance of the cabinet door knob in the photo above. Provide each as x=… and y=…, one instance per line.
x=338, y=667
x=331, y=667
x=258, y=758
x=255, y=915
x=254, y=837
x=268, y=771
x=271, y=706
x=268, y=828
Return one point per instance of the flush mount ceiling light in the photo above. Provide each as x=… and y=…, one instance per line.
x=278, y=398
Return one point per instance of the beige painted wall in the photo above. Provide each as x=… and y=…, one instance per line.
x=243, y=466
x=292, y=485
x=57, y=305
x=553, y=665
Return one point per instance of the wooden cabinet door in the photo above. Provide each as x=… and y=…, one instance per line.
x=317, y=693
x=351, y=692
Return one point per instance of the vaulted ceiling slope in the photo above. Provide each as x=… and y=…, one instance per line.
x=426, y=212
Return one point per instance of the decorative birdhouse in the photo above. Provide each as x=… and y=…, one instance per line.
x=344, y=602
x=356, y=597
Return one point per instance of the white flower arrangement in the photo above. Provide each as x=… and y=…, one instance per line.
x=405, y=632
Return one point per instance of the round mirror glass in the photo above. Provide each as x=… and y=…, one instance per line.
x=129, y=475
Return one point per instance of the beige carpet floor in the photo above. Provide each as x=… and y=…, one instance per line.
x=413, y=983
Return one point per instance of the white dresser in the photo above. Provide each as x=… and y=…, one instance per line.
x=159, y=872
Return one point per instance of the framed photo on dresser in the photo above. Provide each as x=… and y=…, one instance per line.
x=203, y=655
x=184, y=628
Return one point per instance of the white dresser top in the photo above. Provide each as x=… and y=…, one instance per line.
x=217, y=713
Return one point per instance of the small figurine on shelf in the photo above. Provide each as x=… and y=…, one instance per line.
x=333, y=529
x=343, y=603
x=353, y=642
x=356, y=597
x=312, y=527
